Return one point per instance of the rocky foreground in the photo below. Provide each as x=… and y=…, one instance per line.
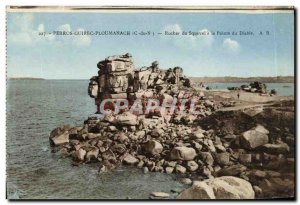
x=233, y=154
x=242, y=154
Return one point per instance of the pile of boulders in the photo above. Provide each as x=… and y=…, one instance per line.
x=254, y=87
x=231, y=153
x=186, y=149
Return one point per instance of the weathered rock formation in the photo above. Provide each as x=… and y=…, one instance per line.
x=234, y=155
x=118, y=79
x=255, y=87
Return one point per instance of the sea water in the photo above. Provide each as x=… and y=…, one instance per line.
x=34, y=108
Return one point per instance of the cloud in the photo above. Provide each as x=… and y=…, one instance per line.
x=64, y=27
x=201, y=38
x=82, y=40
x=231, y=45
x=23, y=33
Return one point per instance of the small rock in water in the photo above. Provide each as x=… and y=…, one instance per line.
x=75, y=164
x=102, y=169
x=186, y=181
x=140, y=164
x=129, y=159
x=176, y=190
x=160, y=194
x=41, y=171
x=146, y=170
x=169, y=170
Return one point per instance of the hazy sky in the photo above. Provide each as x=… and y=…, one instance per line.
x=76, y=57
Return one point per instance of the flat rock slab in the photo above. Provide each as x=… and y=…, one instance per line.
x=160, y=194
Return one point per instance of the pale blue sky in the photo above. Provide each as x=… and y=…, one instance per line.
x=72, y=57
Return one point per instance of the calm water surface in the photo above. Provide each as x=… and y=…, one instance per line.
x=34, y=108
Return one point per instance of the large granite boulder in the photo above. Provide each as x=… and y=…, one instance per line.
x=60, y=139
x=226, y=187
x=253, y=138
x=199, y=190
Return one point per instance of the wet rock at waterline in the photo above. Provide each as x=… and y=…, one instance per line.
x=219, y=188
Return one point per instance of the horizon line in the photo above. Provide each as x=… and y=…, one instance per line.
x=8, y=78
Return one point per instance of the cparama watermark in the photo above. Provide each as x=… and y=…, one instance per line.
x=150, y=105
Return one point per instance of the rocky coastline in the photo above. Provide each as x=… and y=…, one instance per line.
x=237, y=154
x=257, y=155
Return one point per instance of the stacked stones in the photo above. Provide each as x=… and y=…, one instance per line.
x=118, y=79
x=114, y=77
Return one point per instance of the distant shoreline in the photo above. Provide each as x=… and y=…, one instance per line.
x=25, y=78
x=279, y=79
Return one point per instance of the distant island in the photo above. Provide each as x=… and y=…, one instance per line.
x=25, y=78
x=228, y=79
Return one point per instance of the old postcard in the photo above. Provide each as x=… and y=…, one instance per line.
x=167, y=103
